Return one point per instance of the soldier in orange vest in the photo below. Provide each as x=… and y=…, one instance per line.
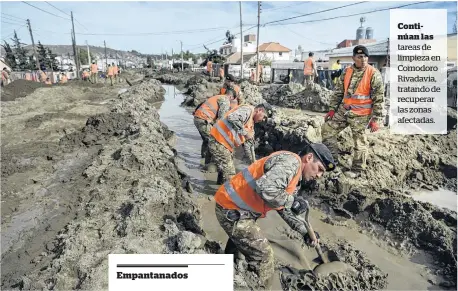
x=221, y=73
x=234, y=130
x=48, y=81
x=5, y=77
x=63, y=78
x=115, y=72
x=271, y=183
x=309, y=71
x=357, y=102
x=210, y=68
x=94, y=70
x=206, y=115
x=229, y=82
x=110, y=74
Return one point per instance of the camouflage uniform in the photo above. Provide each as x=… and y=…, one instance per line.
x=358, y=124
x=245, y=235
x=204, y=127
x=222, y=157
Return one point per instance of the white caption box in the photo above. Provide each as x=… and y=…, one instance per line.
x=170, y=272
x=418, y=71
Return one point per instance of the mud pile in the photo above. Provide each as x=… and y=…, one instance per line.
x=198, y=89
x=19, y=89
x=367, y=276
x=294, y=95
x=428, y=162
x=149, y=90
x=250, y=93
x=172, y=79
x=133, y=201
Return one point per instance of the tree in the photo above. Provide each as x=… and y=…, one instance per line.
x=51, y=60
x=20, y=53
x=10, y=58
x=83, y=57
x=42, y=56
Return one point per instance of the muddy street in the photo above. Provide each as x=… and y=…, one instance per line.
x=405, y=272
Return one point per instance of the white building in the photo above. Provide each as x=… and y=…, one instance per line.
x=249, y=45
x=273, y=51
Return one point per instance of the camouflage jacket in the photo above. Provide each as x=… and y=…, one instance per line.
x=279, y=170
x=376, y=85
x=238, y=119
x=224, y=105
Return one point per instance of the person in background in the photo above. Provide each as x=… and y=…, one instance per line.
x=210, y=68
x=48, y=81
x=310, y=72
x=5, y=77
x=110, y=74
x=115, y=72
x=94, y=70
x=221, y=73
x=336, y=68
x=63, y=78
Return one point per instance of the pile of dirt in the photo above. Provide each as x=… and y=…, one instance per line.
x=149, y=90
x=172, y=79
x=19, y=89
x=294, y=95
x=367, y=276
x=250, y=94
x=198, y=89
x=81, y=83
x=428, y=162
x=133, y=201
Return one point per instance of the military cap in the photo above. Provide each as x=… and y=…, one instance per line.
x=230, y=77
x=268, y=108
x=322, y=153
x=360, y=49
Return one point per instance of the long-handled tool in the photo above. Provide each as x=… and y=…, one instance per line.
x=328, y=266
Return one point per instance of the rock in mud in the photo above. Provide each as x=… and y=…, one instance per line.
x=294, y=95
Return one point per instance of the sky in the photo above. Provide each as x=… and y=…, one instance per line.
x=160, y=27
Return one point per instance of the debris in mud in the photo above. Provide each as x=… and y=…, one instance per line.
x=251, y=94
x=294, y=95
x=367, y=276
x=19, y=89
x=171, y=79
x=149, y=89
x=198, y=89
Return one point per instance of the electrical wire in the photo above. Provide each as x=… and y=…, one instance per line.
x=67, y=15
x=12, y=19
x=12, y=16
x=45, y=11
x=310, y=39
x=158, y=33
x=6, y=22
x=283, y=7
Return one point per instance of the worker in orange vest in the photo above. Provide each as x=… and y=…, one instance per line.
x=48, y=81
x=310, y=71
x=110, y=74
x=115, y=72
x=229, y=82
x=42, y=76
x=206, y=115
x=63, y=78
x=221, y=73
x=271, y=183
x=357, y=102
x=5, y=77
x=94, y=70
x=236, y=128
x=210, y=68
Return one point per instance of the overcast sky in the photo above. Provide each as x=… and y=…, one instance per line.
x=155, y=27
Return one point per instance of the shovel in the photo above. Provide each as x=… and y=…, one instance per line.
x=329, y=265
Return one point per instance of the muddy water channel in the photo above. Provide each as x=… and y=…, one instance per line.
x=405, y=272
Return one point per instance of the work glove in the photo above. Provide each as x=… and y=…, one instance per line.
x=299, y=206
x=330, y=115
x=309, y=241
x=373, y=125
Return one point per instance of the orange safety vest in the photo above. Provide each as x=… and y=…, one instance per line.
x=48, y=83
x=110, y=71
x=240, y=192
x=209, y=109
x=360, y=103
x=94, y=68
x=308, y=70
x=63, y=79
x=43, y=76
x=28, y=77
x=226, y=135
x=115, y=70
x=209, y=66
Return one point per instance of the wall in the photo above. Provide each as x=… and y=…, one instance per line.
x=378, y=60
x=275, y=56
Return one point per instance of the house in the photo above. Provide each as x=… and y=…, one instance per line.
x=378, y=54
x=274, y=51
x=235, y=59
x=249, y=45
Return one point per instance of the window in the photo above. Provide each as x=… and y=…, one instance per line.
x=280, y=54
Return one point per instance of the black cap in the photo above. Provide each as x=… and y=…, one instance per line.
x=268, y=108
x=360, y=49
x=322, y=153
x=230, y=77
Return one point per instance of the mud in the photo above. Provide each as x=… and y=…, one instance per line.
x=295, y=95
x=148, y=89
x=19, y=89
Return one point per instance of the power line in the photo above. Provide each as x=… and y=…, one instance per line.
x=12, y=19
x=283, y=7
x=350, y=15
x=3, y=21
x=11, y=34
x=12, y=16
x=45, y=11
x=57, y=8
x=310, y=39
x=307, y=14
x=225, y=38
x=158, y=33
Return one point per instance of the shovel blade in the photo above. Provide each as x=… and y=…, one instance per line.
x=333, y=267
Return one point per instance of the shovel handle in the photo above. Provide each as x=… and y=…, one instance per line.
x=312, y=236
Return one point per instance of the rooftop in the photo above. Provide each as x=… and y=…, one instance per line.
x=273, y=47
x=379, y=48
x=234, y=59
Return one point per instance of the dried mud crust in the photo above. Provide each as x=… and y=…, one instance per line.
x=395, y=163
x=19, y=89
x=367, y=276
x=132, y=203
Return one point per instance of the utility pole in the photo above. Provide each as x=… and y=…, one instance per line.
x=182, y=67
x=33, y=45
x=241, y=42
x=74, y=47
x=116, y=52
x=106, y=58
x=257, y=43
x=88, y=54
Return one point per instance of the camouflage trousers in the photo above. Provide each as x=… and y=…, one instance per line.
x=223, y=159
x=204, y=130
x=358, y=125
x=94, y=77
x=246, y=237
x=308, y=80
